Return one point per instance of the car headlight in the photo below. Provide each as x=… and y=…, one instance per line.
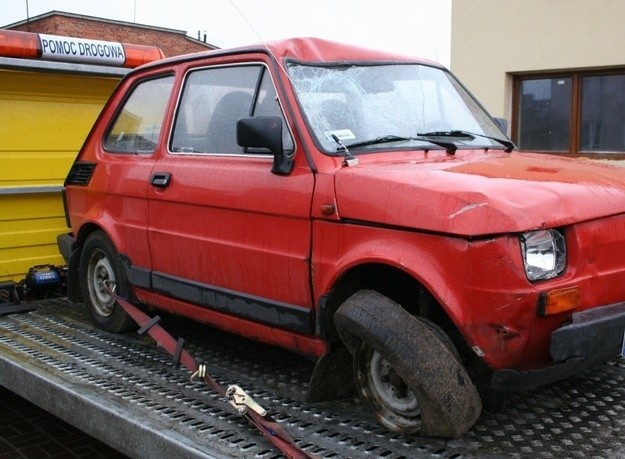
x=544, y=254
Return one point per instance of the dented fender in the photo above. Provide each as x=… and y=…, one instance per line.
x=492, y=304
x=339, y=248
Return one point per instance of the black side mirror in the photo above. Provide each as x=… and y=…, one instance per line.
x=265, y=132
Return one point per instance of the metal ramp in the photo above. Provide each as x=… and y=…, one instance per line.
x=127, y=393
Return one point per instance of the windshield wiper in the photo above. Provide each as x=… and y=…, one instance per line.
x=449, y=146
x=349, y=158
x=458, y=134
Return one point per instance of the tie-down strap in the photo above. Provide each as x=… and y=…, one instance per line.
x=239, y=399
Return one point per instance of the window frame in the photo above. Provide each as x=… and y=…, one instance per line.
x=575, y=121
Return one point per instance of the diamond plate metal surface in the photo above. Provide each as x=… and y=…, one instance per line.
x=583, y=416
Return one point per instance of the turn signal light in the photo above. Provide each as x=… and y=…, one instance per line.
x=559, y=301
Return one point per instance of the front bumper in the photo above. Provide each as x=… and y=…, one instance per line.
x=592, y=337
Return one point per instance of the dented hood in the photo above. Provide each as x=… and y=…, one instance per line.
x=478, y=193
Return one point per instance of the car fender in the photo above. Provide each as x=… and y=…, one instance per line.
x=339, y=248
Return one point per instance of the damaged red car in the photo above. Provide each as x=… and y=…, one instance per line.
x=352, y=206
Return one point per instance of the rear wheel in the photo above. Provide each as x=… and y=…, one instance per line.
x=101, y=278
x=406, y=369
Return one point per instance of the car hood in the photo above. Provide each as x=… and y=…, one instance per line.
x=479, y=193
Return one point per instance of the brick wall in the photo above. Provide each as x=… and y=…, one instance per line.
x=171, y=42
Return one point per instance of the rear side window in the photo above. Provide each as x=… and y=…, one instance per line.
x=138, y=124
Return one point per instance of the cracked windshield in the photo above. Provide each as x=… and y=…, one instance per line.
x=365, y=108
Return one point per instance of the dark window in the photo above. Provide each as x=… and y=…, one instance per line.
x=574, y=113
x=545, y=114
x=212, y=102
x=137, y=127
x=602, y=113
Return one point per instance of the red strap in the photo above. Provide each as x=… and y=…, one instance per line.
x=267, y=426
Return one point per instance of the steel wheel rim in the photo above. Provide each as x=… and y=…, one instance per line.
x=391, y=389
x=101, y=282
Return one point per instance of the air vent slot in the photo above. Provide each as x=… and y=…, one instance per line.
x=80, y=173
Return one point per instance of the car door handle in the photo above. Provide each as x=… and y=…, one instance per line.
x=160, y=179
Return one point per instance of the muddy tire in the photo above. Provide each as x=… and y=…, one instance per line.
x=100, y=270
x=406, y=370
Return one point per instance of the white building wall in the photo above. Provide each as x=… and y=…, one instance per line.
x=491, y=39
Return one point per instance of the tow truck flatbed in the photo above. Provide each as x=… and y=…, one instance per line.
x=125, y=391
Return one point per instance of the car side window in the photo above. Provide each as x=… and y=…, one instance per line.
x=138, y=124
x=213, y=100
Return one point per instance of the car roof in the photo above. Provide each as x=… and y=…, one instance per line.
x=302, y=49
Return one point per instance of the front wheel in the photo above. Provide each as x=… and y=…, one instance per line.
x=406, y=370
x=101, y=277
x=385, y=392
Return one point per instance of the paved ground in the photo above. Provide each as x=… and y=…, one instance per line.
x=27, y=431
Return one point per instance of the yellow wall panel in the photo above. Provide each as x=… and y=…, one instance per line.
x=29, y=225
x=35, y=125
x=14, y=263
x=34, y=168
x=45, y=119
x=25, y=207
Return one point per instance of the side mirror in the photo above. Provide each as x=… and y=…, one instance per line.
x=265, y=132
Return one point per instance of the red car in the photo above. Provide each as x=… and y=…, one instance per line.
x=352, y=206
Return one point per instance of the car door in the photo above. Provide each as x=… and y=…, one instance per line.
x=117, y=197
x=224, y=232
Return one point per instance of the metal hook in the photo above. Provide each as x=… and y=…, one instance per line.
x=199, y=373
